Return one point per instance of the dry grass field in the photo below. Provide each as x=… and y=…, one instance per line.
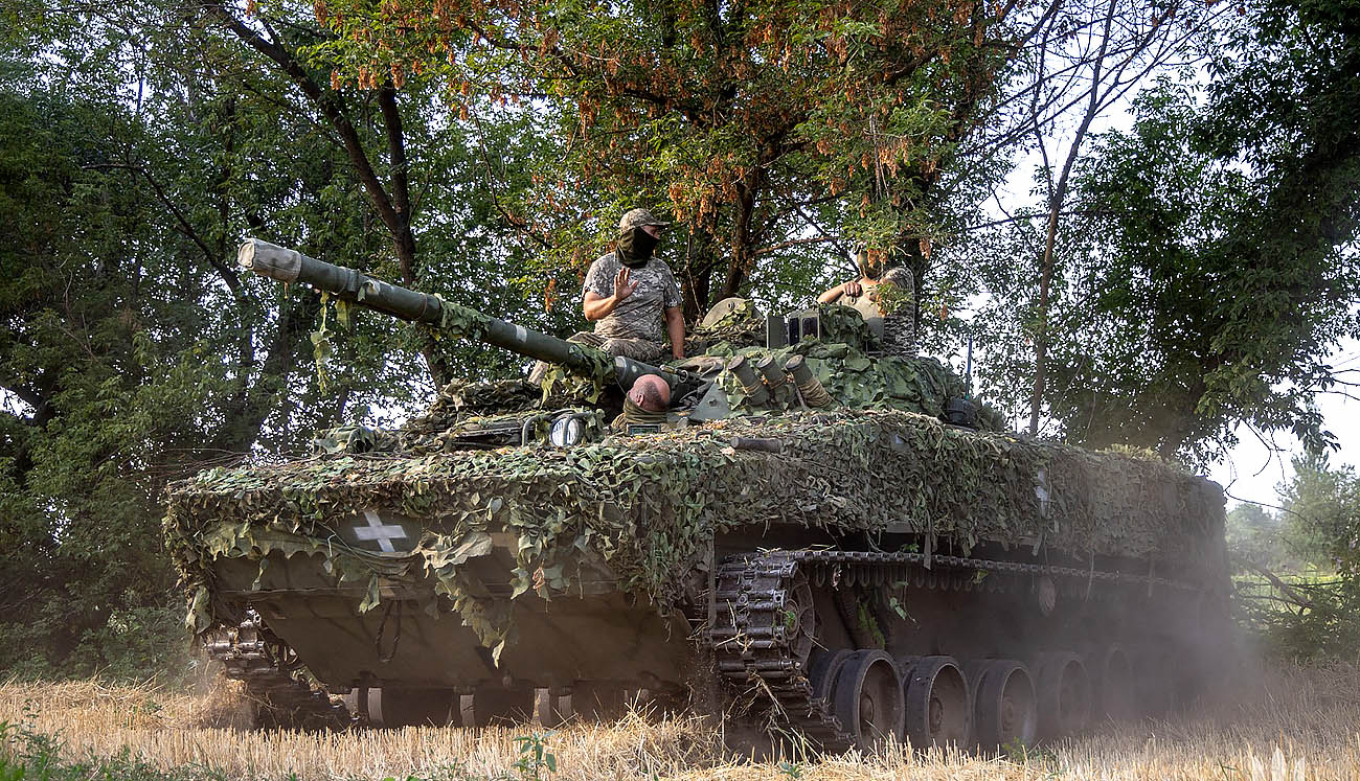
x=1282, y=725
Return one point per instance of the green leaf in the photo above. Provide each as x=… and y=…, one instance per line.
x=372, y=597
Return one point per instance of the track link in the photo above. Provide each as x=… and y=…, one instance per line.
x=272, y=677
x=754, y=639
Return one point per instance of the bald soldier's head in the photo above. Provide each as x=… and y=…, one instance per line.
x=651, y=393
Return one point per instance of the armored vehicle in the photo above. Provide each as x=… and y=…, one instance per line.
x=812, y=538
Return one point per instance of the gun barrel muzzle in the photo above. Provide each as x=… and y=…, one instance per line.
x=270, y=260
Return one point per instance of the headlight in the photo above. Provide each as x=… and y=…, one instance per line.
x=566, y=431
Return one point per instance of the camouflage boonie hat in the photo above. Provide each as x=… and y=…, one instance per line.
x=636, y=218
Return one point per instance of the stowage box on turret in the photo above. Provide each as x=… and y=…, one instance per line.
x=814, y=538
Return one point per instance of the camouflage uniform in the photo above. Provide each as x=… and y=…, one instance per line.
x=899, y=312
x=636, y=327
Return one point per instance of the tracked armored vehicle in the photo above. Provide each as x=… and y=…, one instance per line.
x=814, y=540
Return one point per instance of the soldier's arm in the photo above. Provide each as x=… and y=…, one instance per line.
x=675, y=329
x=851, y=288
x=597, y=306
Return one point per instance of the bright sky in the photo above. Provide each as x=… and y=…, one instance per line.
x=1252, y=471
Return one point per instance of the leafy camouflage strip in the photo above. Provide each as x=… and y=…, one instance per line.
x=851, y=377
x=857, y=381
x=839, y=361
x=745, y=327
x=643, y=509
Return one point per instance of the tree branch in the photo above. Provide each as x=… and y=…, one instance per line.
x=1286, y=590
x=327, y=102
x=792, y=243
x=226, y=271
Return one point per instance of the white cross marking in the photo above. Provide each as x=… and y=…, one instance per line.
x=377, y=531
x=1041, y=491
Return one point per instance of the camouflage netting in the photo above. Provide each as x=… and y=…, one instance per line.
x=745, y=327
x=645, y=508
x=854, y=380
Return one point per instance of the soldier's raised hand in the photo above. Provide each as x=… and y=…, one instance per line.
x=623, y=286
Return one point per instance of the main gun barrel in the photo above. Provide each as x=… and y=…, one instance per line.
x=288, y=265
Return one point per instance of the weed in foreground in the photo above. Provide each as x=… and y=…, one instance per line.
x=29, y=754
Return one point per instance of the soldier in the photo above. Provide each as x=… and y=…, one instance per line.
x=632, y=297
x=885, y=292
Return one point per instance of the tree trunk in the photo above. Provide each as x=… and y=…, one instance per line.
x=1055, y=204
x=744, y=236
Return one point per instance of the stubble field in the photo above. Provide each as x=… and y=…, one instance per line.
x=1282, y=724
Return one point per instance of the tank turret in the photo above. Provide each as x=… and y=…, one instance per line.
x=742, y=362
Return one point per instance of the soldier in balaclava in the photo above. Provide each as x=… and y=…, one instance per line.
x=884, y=291
x=632, y=297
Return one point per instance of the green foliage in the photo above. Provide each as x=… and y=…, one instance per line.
x=534, y=757
x=140, y=142
x=1307, y=605
x=1317, y=618
x=1201, y=294
x=138, y=145
x=1257, y=536
x=88, y=387
x=1207, y=261
x=755, y=122
x=28, y=754
x=1323, y=505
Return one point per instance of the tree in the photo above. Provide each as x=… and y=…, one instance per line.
x=138, y=149
x=1211, y=248
x=769, y=127
x=1112, y=50
x=82, y=405
x=1322, y=505
x=1312, y=614
x=1255, y=536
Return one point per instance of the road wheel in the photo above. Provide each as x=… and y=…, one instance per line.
x=1064, y=695
x=868, y=699
x=1005, y=709
x=938, y=708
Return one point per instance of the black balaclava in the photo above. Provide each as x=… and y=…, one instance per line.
x=635, y=247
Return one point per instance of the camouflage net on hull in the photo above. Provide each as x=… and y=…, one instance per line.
x=645, y=508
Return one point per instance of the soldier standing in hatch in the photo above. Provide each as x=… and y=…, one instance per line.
x=883, y=289
x=632, y=297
